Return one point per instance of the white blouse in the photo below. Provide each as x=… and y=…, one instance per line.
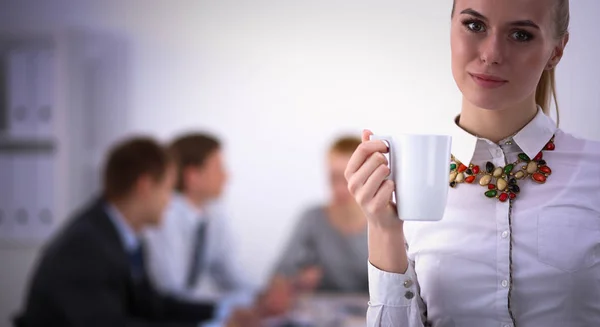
x=533, y=261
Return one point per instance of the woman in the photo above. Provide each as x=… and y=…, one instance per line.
x=329, y=247
x=524, y=249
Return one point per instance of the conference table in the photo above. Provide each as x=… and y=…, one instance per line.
x=325, y=310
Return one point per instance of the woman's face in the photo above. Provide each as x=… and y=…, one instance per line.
x=500, y=49
x=337, y=162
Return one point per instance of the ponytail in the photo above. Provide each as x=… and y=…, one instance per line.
x=545, y=93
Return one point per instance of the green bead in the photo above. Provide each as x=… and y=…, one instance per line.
x=508, y=168
x=452, y=166
x=523, y=157
x=491, y=194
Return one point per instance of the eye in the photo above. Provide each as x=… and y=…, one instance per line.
x=522, y=36
x=474, y=26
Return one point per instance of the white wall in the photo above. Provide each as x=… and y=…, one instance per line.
x=278, y=79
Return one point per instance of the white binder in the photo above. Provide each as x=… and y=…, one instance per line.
x=43, y=90
x=24, y=196
x=43, y=208
x=20, y=117
x=5, y=195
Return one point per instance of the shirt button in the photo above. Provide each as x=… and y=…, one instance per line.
x=409, y=295
x=408, y=283
x=504, y=283
x=505, y=234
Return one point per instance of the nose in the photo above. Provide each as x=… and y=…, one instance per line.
x=491, y=50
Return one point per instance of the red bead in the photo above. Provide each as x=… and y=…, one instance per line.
x=475, y=170
x=469, y=179
x=462, y=168
x=538, y=177
x=491, y=187
x=546, y=170
x=538, y=157
x=503, y=197
x=512, y=195
x=550, y=146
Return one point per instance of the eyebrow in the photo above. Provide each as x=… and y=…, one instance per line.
x=520, y=23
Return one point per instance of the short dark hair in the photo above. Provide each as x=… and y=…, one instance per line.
x=131, y=159
x=192, y=149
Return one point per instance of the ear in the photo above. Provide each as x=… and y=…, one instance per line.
x=558, y=52
x=144, y=184
x=190, y=174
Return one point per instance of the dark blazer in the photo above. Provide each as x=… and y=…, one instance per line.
x=83, y=278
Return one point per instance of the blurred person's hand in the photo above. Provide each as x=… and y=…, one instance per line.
x=244, y=318
x=277, y=299
x=309, y=278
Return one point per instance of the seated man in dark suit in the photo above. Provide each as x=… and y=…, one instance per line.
x=93, y=274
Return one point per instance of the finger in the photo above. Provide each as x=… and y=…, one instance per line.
x=372, y=184
x=366, y=135
x=359, y=178
x=362, y=152
x=383, y=196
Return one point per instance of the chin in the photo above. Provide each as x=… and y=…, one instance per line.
x=343, y=202
x=155, y=222
x=488, y=99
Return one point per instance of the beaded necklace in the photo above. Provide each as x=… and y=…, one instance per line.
x=502, y=182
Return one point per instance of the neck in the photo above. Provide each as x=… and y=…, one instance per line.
x=131, y=213
x=496, y=125
x=196, y=200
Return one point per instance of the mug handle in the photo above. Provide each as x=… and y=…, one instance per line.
x=388, y=155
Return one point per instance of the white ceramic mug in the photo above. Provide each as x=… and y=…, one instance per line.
x=419, y=167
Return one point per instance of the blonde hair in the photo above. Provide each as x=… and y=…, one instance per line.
x=545, y=92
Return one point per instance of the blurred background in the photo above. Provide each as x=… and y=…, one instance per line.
x=276, y=81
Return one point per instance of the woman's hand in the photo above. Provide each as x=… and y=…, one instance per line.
x=366, y=174
x=309, y=278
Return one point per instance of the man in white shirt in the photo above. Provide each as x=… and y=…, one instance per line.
x=191, y=255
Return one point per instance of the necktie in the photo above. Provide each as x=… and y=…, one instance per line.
x=136, y=260
x=197, y=255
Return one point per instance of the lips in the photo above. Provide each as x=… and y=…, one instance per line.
x=488, y=81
